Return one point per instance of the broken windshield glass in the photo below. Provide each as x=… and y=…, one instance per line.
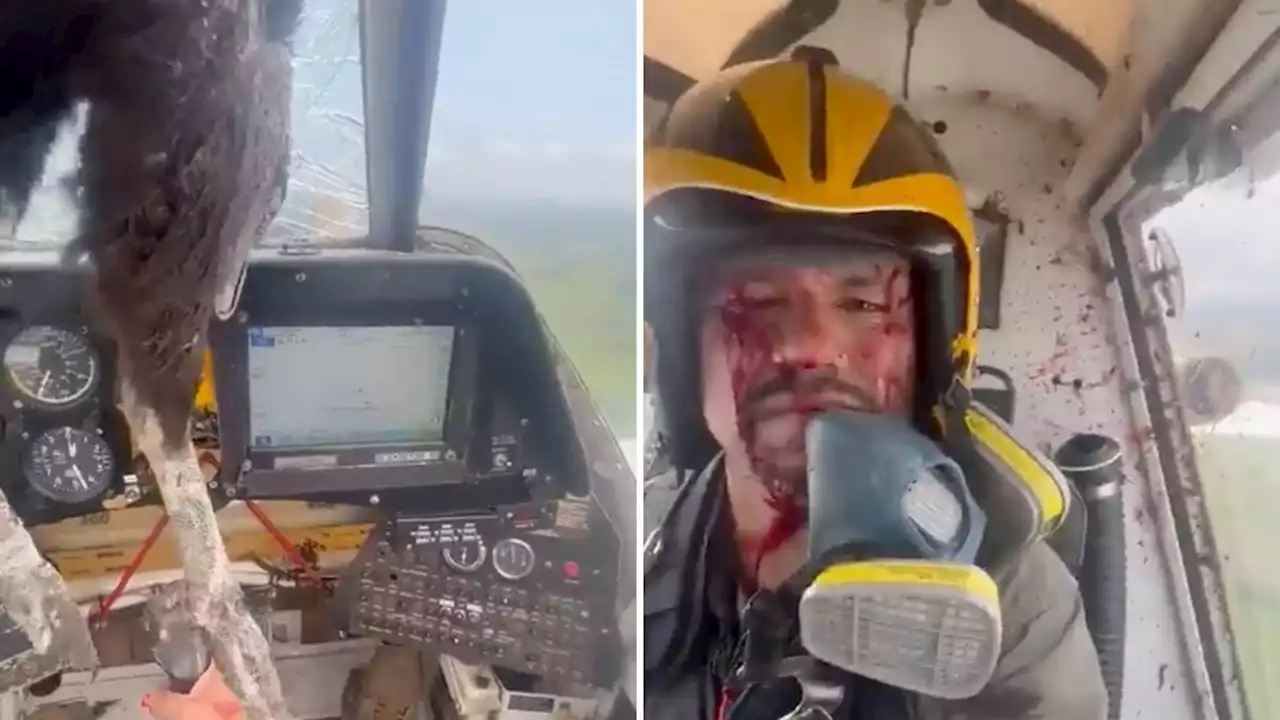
x=327, y=196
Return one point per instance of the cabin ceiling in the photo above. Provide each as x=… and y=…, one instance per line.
x=1099, y=69
x=697, y=37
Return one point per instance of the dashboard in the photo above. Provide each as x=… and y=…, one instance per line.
x=422, y=384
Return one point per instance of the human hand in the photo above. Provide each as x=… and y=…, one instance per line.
x=209, y=699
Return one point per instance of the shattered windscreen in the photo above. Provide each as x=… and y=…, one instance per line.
x=327, y=189
x=327, y=196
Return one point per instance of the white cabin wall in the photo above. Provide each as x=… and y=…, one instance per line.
x=1057, y=335
x=1012, y=114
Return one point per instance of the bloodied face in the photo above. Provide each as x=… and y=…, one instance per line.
x=780, y=343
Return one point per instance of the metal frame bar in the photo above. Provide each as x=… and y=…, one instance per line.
x=400, y=57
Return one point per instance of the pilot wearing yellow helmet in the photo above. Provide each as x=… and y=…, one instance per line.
x=808, y=249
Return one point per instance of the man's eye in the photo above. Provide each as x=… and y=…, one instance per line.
x=763, y=303
x=747, y=305
x=862, y=306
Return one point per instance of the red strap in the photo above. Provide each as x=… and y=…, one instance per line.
x=122, y=583
x=786, y=522
x=722, y=707
x=289, y=549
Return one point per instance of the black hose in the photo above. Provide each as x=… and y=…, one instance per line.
x=1093, y=463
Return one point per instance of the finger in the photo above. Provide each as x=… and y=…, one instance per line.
x=212, y=688
x=168, y=706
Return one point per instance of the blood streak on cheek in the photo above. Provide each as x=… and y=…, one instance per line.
x=750, y=350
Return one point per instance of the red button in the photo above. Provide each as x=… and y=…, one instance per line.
x=571, y=570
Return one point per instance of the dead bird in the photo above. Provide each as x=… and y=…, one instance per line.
x=183, y=164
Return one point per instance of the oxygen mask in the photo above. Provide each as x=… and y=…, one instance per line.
x=890, y=592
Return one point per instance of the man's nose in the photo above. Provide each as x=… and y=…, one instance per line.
x=810, y=337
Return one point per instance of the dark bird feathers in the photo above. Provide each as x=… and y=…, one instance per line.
x=183, y=164
x=184, y=160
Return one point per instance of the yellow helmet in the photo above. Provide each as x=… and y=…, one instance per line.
x=785, y=151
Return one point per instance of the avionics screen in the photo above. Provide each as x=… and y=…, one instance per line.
x=345, y=386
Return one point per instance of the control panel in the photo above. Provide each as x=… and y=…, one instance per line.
x=64, y=448
x=423, y=383
x=419, y=382
x=526, y=588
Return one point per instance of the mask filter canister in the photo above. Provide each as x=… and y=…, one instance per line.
x=893, y=533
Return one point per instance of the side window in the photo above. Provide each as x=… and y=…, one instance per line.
x=1213, y=262
x=533, y=150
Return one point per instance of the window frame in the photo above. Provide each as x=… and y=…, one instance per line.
x=1239, y=68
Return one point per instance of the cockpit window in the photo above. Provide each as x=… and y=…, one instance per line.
x=327, y=196
x=1212, y=262
x=532, y=150
x=327, y=189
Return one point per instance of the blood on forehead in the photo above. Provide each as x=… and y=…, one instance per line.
x=758, y=307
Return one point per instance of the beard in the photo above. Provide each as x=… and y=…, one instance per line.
x=772, y=419
x=777, y=458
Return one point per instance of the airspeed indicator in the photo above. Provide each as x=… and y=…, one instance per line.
x=51, y=367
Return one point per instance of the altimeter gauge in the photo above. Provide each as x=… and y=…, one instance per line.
x=69, y=465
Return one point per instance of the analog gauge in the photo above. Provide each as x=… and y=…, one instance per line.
x=50, y=366
x=465, y=555
x=513, y=559
x=69, y=465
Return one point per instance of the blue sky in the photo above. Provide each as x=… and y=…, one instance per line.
x=538, y=73
x=538, y=99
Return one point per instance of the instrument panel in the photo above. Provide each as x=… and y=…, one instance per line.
x=422, y=382
x=62, y=440
x=524, y=588
x=51, y=370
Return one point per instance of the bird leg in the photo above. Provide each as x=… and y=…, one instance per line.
x=241, y=651
x=36, y=599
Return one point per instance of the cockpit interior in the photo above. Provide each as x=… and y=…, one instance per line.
x=418, y=390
